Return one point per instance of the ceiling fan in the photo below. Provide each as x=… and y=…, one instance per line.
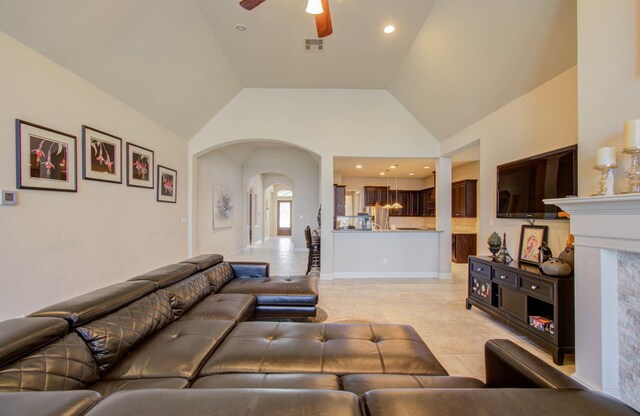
x=319, y=8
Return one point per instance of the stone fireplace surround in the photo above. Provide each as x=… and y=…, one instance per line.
x=607, y=291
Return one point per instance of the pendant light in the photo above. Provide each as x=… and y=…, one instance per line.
x=396, y=205
x=387, y=205
x=314, y=7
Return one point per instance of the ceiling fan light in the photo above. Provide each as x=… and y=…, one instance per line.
x=396, y=206
x=314, y=7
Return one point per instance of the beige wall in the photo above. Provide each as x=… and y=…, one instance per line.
x=56, y=245
x=469, y=170
x=540, y=121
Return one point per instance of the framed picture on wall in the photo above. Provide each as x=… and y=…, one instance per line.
x=101, y=156
x=167, y=184
x=139, y=166
x=222, y=207
x=531, y=238
x=45, y=158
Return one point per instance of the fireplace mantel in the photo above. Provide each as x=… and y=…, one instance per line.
x=603, y=226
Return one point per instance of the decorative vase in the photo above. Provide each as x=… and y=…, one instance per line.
x=556, y=267
x=568, y=256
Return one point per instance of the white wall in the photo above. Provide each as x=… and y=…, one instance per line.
x=216, y=168
x=327, y=122
x=55, y=245
x=542, y=120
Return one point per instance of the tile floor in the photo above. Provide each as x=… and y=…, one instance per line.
x=435, y=308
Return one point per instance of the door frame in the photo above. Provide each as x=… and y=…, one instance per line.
x=281, y=231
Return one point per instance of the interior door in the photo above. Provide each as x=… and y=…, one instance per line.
x=284, y=217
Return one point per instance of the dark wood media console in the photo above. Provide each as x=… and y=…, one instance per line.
x=516, y=291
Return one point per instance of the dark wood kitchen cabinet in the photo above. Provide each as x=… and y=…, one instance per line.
x=462, y=246
x=429, y=199
x=375, y=194
x=464, y=198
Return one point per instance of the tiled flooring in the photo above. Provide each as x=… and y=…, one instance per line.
x=435, y=308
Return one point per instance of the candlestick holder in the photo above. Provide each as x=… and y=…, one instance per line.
x=633, y=173
x=606, y=179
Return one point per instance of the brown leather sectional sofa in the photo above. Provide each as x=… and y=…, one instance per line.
x=176, y=341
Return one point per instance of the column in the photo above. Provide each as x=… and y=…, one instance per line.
x=443, y=216
x=326, y=198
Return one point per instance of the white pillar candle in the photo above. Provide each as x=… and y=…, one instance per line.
x=632, y=134
x=606, y=156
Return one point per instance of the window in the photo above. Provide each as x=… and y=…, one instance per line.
x=285, y=193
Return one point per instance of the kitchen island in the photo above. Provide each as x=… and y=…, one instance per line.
x=401, y=253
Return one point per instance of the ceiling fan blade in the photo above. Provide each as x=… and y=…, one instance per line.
x=323, y=21
x=250, y=4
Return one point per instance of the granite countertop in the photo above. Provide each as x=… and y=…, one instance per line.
x=410, y=230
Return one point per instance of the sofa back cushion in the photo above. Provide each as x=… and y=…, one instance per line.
x=167, y=275
x=204, y=261
x=64, y=364
x=219, y=275
x=113, y=336
x=20, y=336
x=183, y=295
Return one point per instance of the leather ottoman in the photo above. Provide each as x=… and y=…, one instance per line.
x=290, y=347
x=279, y=296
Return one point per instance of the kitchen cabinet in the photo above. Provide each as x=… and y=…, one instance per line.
x=429, y=198
x=339, y=192
x=464, y=198
x=375, y=194
x=462, y=246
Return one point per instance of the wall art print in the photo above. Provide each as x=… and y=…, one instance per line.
x=531, y=238
x=167, y=184
x=139, y=166
x=45, y=158
x=101, y=156
x=222, y=207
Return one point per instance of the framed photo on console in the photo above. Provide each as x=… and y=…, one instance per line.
x=45, y=158
x=139, y=166
x=101, y=156
x=531, y=238
x=167, y=184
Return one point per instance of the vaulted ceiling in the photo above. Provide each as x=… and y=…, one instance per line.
x=450, y=62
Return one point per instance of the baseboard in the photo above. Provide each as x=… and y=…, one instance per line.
x=326, y=276
x=585, y=382
x=385, y=275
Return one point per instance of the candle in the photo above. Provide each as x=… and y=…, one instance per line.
x=606, y=156
x=632, y=134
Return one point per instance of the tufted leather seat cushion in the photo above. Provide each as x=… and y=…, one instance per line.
x=22, y=335
x=113, y=336
x=168, y=275
x=229, y=402
x=64, y=364
x=108, y=387
x=361, y=383
x=508, y=402
x=204, y=261
x=94, y=304
x=227, y=307
x=277, y=291
x=268, y=381
x=176, y=351
x=285, y=347
x=186, y=293
x=219, y=275
x=59, y=403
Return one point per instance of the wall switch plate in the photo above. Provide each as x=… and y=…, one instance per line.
x=8, y=198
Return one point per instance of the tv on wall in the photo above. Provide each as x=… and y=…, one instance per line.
x=523, y=184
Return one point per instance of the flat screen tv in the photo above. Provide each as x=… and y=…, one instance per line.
x=523, y=184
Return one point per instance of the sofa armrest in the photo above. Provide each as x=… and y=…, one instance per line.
x=508, y=365
x=244, y=269
x=48, y=403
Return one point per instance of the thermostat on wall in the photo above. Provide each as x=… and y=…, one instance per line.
x=8, y=198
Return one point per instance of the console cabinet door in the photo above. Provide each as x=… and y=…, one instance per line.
x=512, y=302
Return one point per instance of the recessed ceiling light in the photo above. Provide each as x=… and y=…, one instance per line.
x=389, y=29
x=426, y=167
x=358, y=166
x=411, y=174
x=381, y=173
x=240, y=28
x=392, y=167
